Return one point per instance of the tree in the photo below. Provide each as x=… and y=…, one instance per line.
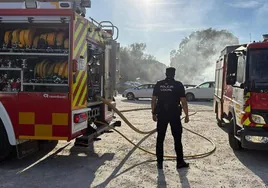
x=134, y=63
x=195, y=59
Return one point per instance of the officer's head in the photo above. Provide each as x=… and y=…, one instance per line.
x=170, y=72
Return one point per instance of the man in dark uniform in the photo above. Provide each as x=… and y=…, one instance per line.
x=167, y=103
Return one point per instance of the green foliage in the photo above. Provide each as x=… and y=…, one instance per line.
x=135, y=63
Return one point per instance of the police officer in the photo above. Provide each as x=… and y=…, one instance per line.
x=168, y=100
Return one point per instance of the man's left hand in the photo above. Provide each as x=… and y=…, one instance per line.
x=154, y=117
x=186, y=119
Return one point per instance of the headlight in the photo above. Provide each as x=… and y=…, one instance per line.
x=257, y=119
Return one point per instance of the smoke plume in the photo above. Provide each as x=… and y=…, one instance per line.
x=195, y=60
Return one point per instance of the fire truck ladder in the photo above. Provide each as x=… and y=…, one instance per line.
x=110, y=26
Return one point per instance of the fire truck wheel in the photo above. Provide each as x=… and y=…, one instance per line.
x=5, y=147
x=190, y=97
x=130, y=96
x=219, y=121
x=234, y=143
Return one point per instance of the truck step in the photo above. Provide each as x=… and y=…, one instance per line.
x=226, y=121
x=83, y=141
x=27, y=148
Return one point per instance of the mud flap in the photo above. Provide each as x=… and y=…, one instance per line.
x=27, y=148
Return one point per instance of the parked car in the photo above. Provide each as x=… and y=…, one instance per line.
x=204, y=90
x=188, y=86
x=142, y=91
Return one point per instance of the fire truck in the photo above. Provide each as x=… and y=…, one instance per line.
x=241, y=94
x=53, y=64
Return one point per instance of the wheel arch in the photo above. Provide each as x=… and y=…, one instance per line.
x=5, y=120
x=190, y=93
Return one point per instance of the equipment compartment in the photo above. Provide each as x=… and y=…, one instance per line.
x=42, y=74
x=35, y=38
x=34, y=57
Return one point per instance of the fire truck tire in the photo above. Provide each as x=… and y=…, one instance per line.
x=190, y=97
x=5, y=147
x=233, y=142
x=130, y=96
x=219, y=121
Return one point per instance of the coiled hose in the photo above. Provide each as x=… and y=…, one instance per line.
x=196, y=156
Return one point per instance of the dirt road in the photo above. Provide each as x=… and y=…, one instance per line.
x=113, y=162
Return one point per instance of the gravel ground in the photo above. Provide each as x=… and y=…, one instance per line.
x=113, y=162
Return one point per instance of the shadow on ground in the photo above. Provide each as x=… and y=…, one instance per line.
x=202, y=103
x=62, y=168
x=148, y=101
x=255, y=161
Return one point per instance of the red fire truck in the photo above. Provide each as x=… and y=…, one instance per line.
x=53, y=62
x=241, y=94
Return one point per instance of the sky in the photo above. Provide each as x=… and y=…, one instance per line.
x=162, y=24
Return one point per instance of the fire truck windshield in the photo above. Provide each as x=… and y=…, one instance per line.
x=258, y=68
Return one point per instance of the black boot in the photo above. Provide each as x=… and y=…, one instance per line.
x=182, y=164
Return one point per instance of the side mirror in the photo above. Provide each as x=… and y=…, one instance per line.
x=232, y=60
x=230, y=80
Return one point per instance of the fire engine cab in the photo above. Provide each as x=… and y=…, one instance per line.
x=241, y=94
x=53, y=62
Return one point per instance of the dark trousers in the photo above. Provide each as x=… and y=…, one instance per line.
x=176, y=129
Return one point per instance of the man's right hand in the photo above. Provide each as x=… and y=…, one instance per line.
x=186, y=119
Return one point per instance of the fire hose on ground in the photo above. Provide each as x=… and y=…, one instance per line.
x=196, y=156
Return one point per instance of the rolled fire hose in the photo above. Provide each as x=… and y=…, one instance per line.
x=66, y=43
x=29, y=37
x=8, y=37
x=51, y=69
x=36, y=41
x=51, y=39
x=62, y=69
x=22, y=42
x=15, y=36
x=57, y=68
x=60, y=38
x=201, y=155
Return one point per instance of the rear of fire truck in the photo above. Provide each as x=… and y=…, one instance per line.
x=53, y=62
x=242, y=100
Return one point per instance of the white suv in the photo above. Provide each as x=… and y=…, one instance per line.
x=204, y=90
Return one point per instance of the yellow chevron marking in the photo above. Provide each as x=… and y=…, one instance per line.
x=77, y=80
x=248, y=94
x=83, y=96
x=80, y=43
x=77, y=31
x=83, y=52
x=79, y=90
x=247, y=122
x=247, y=109
x=92, y=32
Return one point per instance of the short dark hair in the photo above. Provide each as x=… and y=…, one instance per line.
x=170, y=71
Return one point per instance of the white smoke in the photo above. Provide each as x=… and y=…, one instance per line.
x=196, y=58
